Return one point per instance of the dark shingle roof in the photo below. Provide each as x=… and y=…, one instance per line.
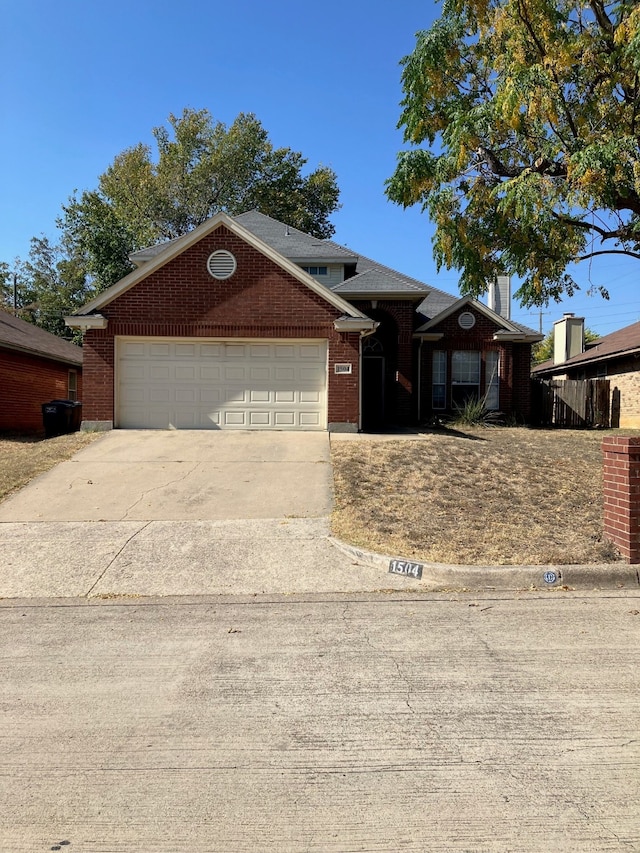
x=370, y=277
x=291, y=243
x=19, y=335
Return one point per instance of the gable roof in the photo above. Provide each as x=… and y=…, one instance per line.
x=625, y=341
x=372, y=280
x=508, y=329
x=170, y=250
x=17, y=334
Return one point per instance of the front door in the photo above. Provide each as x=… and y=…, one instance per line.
x=373, y=381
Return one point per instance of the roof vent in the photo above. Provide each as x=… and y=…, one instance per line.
x=466, y=320
x=221, y=264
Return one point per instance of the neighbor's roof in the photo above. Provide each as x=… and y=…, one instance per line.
x=623, y=342
x=16, y=334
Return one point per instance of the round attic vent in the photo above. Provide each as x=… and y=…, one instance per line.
x=221, y=264
x=466, y=320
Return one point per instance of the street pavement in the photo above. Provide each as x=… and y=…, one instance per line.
x=323, y=724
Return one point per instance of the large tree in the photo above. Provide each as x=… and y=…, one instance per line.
x=529, y=114
x=200, y=166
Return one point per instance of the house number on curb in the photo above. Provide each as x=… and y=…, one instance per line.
x=403, y=567
x=550, y=577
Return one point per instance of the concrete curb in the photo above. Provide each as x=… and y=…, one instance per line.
x=438, y=576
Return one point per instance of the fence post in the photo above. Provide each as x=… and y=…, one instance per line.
x=621, y=482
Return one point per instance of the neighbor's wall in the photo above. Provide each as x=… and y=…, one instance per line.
x=182, y=300
x=624, y=378
x=26, y=382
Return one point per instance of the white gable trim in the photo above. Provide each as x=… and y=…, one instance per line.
x=183, y=243
x=478, y=306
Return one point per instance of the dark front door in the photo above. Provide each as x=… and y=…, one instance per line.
x=373, y=380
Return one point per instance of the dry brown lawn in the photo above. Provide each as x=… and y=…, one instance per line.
x=24, y=457
x=474, y=496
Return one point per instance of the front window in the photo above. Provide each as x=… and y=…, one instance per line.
x=465, y=377
x=492, y=381
x=439, y=380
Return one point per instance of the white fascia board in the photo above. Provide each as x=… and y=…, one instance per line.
x=518, y=337
x=429, y=336
x=478, y=306
x=355, y=324
x=185, y=242
x=86, y=321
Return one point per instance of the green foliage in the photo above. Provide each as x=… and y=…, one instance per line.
x=200, y=167
x=51, y=284
x=543, y=350
x=474, y=412
x=530, y=111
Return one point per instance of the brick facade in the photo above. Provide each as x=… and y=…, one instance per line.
x=26, y=382
x=621, y=485
x=398, y=322
x=182, y=300
x=514, y=363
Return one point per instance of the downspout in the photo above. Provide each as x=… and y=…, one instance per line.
x=364, y=333
x=420, y=381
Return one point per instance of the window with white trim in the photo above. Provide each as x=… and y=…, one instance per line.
x=465, y=376
x=72, y=385
x=439, y=380
x=492, y=380
x=316, y=270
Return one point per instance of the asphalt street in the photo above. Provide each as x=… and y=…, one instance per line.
x=389, y=722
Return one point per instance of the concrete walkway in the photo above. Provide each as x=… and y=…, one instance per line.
x=165, y=513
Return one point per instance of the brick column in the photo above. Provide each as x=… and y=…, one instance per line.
x=622, y=494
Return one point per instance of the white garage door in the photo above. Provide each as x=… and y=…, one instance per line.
x=211, y=384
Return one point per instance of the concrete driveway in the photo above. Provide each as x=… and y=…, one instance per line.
x=170, y=475
x=142, y=513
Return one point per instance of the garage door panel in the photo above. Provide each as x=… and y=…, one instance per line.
x=159, y=350
x=210, y=372
x=188, y=384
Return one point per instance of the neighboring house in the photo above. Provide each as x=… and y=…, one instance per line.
x=248, y=323
x=35, y=367
x=615, y=357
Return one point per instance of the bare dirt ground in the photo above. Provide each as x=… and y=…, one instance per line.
x=475, y=496
x=24, y=457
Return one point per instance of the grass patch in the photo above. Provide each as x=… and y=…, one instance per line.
x=503, y=496
x=24, y=457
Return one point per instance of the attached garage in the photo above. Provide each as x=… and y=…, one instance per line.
x=169, y=383
x=218, y=330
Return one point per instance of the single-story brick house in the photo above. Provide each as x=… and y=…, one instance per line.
x=35, y=367
x=248, y=323
x=615, y=357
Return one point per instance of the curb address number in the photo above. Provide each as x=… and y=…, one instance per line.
x=404, y=567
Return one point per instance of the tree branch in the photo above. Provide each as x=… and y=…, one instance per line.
x=609, y=252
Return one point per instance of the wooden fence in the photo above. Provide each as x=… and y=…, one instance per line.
x=571, y=402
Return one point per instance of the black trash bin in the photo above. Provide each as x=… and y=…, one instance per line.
x=60, y=417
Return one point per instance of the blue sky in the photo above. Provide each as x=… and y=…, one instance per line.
x=82, y=81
